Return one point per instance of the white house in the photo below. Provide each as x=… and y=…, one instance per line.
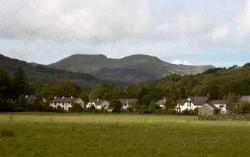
x=98, y=104
x=191, y=103
x=221, y=104
x=65, y=103
x=128, y=103
x=62, y=103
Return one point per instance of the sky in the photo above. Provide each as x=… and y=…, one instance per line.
x=193, y=32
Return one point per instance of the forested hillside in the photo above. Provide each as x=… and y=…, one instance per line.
x=214, y=83
x=39, y=73
x=221, y=83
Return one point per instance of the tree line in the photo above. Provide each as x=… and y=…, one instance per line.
x=220, y=83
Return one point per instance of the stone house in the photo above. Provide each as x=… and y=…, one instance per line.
x=208, y=110
x=98, y=104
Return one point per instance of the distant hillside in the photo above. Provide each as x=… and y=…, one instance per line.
x=214, y=83
x=39, y=73
x=129, y=69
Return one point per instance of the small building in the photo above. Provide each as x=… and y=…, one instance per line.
x=191, y=103
x=128, y=103
x=79, y=101
x=161, y=103
x=98, y=104
x=30, y=99
x=208, y=110
x=245, y=98
x=66, y=103
x=221, y=104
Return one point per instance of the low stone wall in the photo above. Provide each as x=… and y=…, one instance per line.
x=226, y=117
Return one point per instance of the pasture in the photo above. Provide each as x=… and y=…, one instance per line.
x=62, y=134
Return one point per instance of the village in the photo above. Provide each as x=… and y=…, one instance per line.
x=200, y=105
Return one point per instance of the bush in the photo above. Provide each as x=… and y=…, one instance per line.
x=190, y=112
x=152, y=107
x=76, y=108
x=243, y=108
x=116, y=105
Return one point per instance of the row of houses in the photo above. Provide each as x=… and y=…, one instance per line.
x=205, y=107
x=67, y=103
x=200, y=103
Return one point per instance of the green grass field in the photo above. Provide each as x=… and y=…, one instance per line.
x=48, y=134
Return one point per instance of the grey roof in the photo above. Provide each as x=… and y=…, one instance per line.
x=181, y=101
x=197, y=100
x=245, y=98
x=98, y=101
x=129, y=101
x=62, y=100
x=213, y=102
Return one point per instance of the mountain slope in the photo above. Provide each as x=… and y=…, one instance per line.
x=129, y=69
x=39, y=73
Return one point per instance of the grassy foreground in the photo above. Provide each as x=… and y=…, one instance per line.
x=47, y=134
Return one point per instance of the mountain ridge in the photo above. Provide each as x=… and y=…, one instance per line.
x=131, y=69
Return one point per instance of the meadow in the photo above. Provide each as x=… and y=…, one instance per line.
x=62, y=134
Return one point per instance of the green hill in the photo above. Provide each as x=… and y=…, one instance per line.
x=40, y=73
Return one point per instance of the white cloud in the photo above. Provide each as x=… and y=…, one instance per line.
x=184, y=62
x=96, y=21
x=123, y=27
x=236, y=31
x=242, y=25
x=221, y=32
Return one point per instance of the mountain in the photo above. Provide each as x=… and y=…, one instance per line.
x=40, y=73
x=130, y=69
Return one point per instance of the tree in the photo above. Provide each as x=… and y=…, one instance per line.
x=76, y=108
x=65, y=88
x=84, y=96
x=5, y=84
x=152, y=107
x=231, y=99
x=170, y=103
x=20, y=84
x=116, y=105
x=22, y=104
x=7, y=105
